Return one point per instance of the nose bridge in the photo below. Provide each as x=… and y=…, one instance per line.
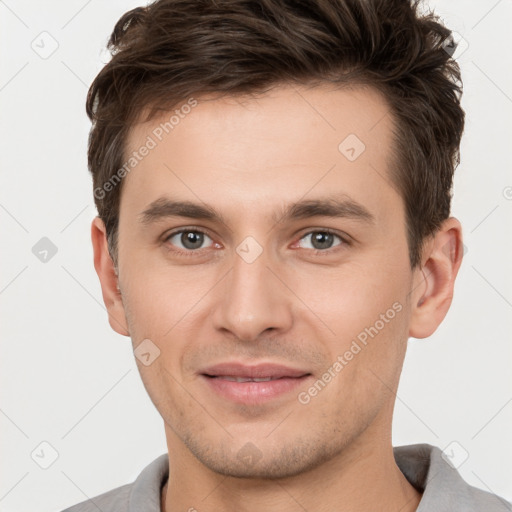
x=252, y=300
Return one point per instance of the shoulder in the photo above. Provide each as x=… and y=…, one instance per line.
x=433, y=472
x=142, y=494
x=115, y=500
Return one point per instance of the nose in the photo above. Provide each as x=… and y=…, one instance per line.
x=253, y=300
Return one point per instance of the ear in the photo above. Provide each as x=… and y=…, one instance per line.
x=434, y=280
x=108, y=278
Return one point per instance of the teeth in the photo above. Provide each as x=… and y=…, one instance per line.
x=246, y=379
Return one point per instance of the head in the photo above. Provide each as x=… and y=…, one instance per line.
x=292, y=125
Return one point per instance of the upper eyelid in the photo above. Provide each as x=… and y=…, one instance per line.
x=344, y=238
x=171, y=233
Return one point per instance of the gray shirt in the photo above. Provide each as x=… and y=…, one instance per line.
x=422, y=464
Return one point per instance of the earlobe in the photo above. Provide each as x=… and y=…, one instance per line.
x=108, y=278
x=434, y=281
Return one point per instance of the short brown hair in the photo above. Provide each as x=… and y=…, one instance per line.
x=172, y=49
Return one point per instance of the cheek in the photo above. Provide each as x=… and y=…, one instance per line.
x=351, y=297
x=164, y=305
x=365, y=310
x=154, y=288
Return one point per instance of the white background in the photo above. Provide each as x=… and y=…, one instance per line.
x=67, y=379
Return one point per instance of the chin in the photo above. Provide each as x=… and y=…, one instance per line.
x=251, y=462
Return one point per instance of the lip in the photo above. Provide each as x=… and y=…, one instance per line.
x=284, y=380
x=254, y=371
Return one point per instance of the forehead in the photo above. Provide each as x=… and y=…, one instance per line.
x=288, y=142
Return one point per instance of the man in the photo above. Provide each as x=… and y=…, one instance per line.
x=273, y=181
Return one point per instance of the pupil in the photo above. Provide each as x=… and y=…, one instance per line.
x=192, y=240
x=322, y=240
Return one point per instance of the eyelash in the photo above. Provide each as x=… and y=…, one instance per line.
x=316, y=252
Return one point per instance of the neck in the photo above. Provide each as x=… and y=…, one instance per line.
x=361, y=478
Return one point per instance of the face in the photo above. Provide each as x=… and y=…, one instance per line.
x=263, y=253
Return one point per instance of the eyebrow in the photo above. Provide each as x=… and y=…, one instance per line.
x=336, y=207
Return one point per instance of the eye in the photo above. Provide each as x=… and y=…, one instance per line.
x=188, y=239
x=321, y=240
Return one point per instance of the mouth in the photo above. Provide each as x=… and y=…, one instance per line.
x=252, y=384
x=244, y=379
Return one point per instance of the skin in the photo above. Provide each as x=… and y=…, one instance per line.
x=249, y=157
